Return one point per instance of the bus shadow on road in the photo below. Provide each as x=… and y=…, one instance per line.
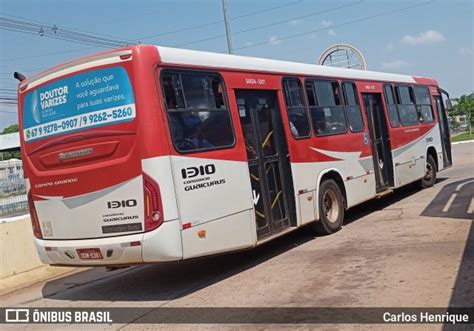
x=374, y=205
x=166, y=281
x=170, y=281
x=455, y=200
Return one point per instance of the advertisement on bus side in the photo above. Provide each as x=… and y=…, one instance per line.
x=91, y=99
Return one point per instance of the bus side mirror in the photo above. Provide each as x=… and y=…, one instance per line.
x=449, y=105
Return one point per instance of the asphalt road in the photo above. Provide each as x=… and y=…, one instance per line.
x=410, y=249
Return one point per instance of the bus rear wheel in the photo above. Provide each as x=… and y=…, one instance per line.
x=331, y=208
x=430, y=174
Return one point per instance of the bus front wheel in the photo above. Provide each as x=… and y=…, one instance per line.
x=331, y=208
x=430, y=174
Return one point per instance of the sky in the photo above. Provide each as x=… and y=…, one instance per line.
x=433, y=39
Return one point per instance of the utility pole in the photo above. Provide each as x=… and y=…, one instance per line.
x=227, y=27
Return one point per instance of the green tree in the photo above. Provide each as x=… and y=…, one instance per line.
x=10, y=155
x=10, y=129
x=13, y=154
x=465, y=106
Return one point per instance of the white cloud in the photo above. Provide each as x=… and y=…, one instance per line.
x=395, y=64
x=296, y=22
x=465, y=51
x=389, y=47
x=326, y=23
x=274, y=40
x=427, y=37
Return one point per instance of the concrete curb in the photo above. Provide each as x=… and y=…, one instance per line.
x=32, y=277
x=463, y=142
x=18, y=252
x=20, y=265
x=14, y=218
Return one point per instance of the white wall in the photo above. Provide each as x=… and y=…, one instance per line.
x=17, y=249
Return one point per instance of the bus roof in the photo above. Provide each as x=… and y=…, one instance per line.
x=187, y=57
x=179, y=56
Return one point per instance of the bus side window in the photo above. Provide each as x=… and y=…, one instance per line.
x=198, y=115
x=173, y=92
x=327, y=114
x=391, y=105
x=296, y=108
x=406, y=106
x=423, y=103
x=354, y=115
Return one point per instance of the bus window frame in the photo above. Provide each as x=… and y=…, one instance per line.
x=395, y=99
x=306, y=107
x=396, y=85
x=168, y=70
x=342, y=104
x=356, y=95
x=424, y=104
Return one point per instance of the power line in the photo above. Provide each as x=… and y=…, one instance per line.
x=48, y=54
x=9, y=94
x=199, y=26
x=14, y=39
x=337, y=25
x=23, y=68
x=78, y=32
x=271, y=24
x=7, y=98
x=69, y=28
x=37, y=27
x=41, y=33
x=53, y=31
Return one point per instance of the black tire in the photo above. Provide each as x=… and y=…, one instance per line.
x=430, y=175
x=331, y=208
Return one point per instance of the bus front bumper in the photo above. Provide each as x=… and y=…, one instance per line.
x=160, y=245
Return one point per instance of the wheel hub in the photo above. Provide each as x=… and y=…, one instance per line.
x=330, y=206
x=429, y=171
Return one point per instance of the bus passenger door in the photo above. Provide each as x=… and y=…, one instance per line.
x=381, y=152
x=267, y=154
x=444, y=129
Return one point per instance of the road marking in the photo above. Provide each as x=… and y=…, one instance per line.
x=459, y=187
x=449, y=203
x=470, y=210
x=453, y=196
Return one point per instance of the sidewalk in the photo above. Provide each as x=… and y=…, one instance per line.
x=31, y=277
x=20, y=265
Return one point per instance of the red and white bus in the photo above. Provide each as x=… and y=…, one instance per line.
x=151, y=154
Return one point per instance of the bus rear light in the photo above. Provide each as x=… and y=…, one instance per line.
x=34, y=217
x=156, y=216
x=153, y=205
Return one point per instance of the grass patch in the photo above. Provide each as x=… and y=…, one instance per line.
x=462, y=137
